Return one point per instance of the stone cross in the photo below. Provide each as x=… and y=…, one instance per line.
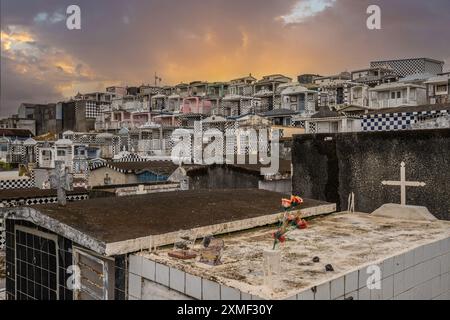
x=403, y=183
x=62, y=181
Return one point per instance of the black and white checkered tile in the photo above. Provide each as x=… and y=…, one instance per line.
x=92, y=110
x=16, y=184
x=130, y=158
x=395, y=121
x=409, y=66
x=39, y=200
x=29, y=202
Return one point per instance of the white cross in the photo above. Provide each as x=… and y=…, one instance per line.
x=403, y=183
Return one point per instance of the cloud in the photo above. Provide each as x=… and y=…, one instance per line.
x=33, y=71
x=306, y=9
x=214, y=40
x=44, y=17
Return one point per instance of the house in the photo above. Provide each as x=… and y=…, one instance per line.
x=374, y=76
x=343, y=76
x=307, y=79
x=438, y=89
x=267, y=90
x=215, y=92
x=158, y=102
x=196, y=105
x=74, y=155
x=403, y=118
x=406, y=67
x=104, y=234
x=328, y=121
x=237, y=105
x=299, y=99
x=44, y=116
x=17, y=146
x=242, y=86
x=339, y=91
x=392, y=95
x=280, y=117
x=123, y=173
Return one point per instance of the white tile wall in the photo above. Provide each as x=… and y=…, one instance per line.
x=194, y=286
x=351, y=282
x=388, y=267
x=387, y=287
x=422, y=273
x=162, y=274
x=323, y=292
x=337, y=288
x=436, y=287
x=377, y=292
x=409, y=279
x=363, y=276
x=211, y=290
x=445, y=280
x=364, y=293
x=399, y=283
x=177, y=280
x=419, y=255
x=246, y=296
x=227, y=293
x=307, y=295
x=399, y=263
x=135, y=264
x=148, y=269
x=409, y=259
x=134, y=286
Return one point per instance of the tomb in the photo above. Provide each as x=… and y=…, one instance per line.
x=104, y=233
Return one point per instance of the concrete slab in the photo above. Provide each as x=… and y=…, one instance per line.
x=401, y=212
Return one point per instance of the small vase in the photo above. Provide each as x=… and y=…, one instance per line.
x=272, y=268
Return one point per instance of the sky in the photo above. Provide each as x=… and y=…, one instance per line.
x=127, y=42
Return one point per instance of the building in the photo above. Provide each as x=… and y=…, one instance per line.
x=340, y=93
x=406, y=67
x=404, y=118
x=123, y=173
x=393, y=95
x=299, y=99
x=44, y=116
x=374, y=76
x=438, y=89
x=308, y=78
x=267, y=90
x=328, y=121
x=242, y=86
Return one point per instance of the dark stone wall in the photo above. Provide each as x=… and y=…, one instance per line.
x=329, y=167
x=221, y=177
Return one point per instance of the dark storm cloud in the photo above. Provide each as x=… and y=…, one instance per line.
x=128, y=41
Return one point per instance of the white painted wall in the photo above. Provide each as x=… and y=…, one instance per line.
x=419, y=274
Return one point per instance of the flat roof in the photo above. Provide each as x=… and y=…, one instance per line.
x=11, y=194
x=408, y=59
x=95, y=223
x=347, y=241
x=409, y=109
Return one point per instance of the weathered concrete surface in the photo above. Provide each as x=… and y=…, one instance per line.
x=129, y=224
x=398, y=211
x=347, y=241
x=330, y=169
